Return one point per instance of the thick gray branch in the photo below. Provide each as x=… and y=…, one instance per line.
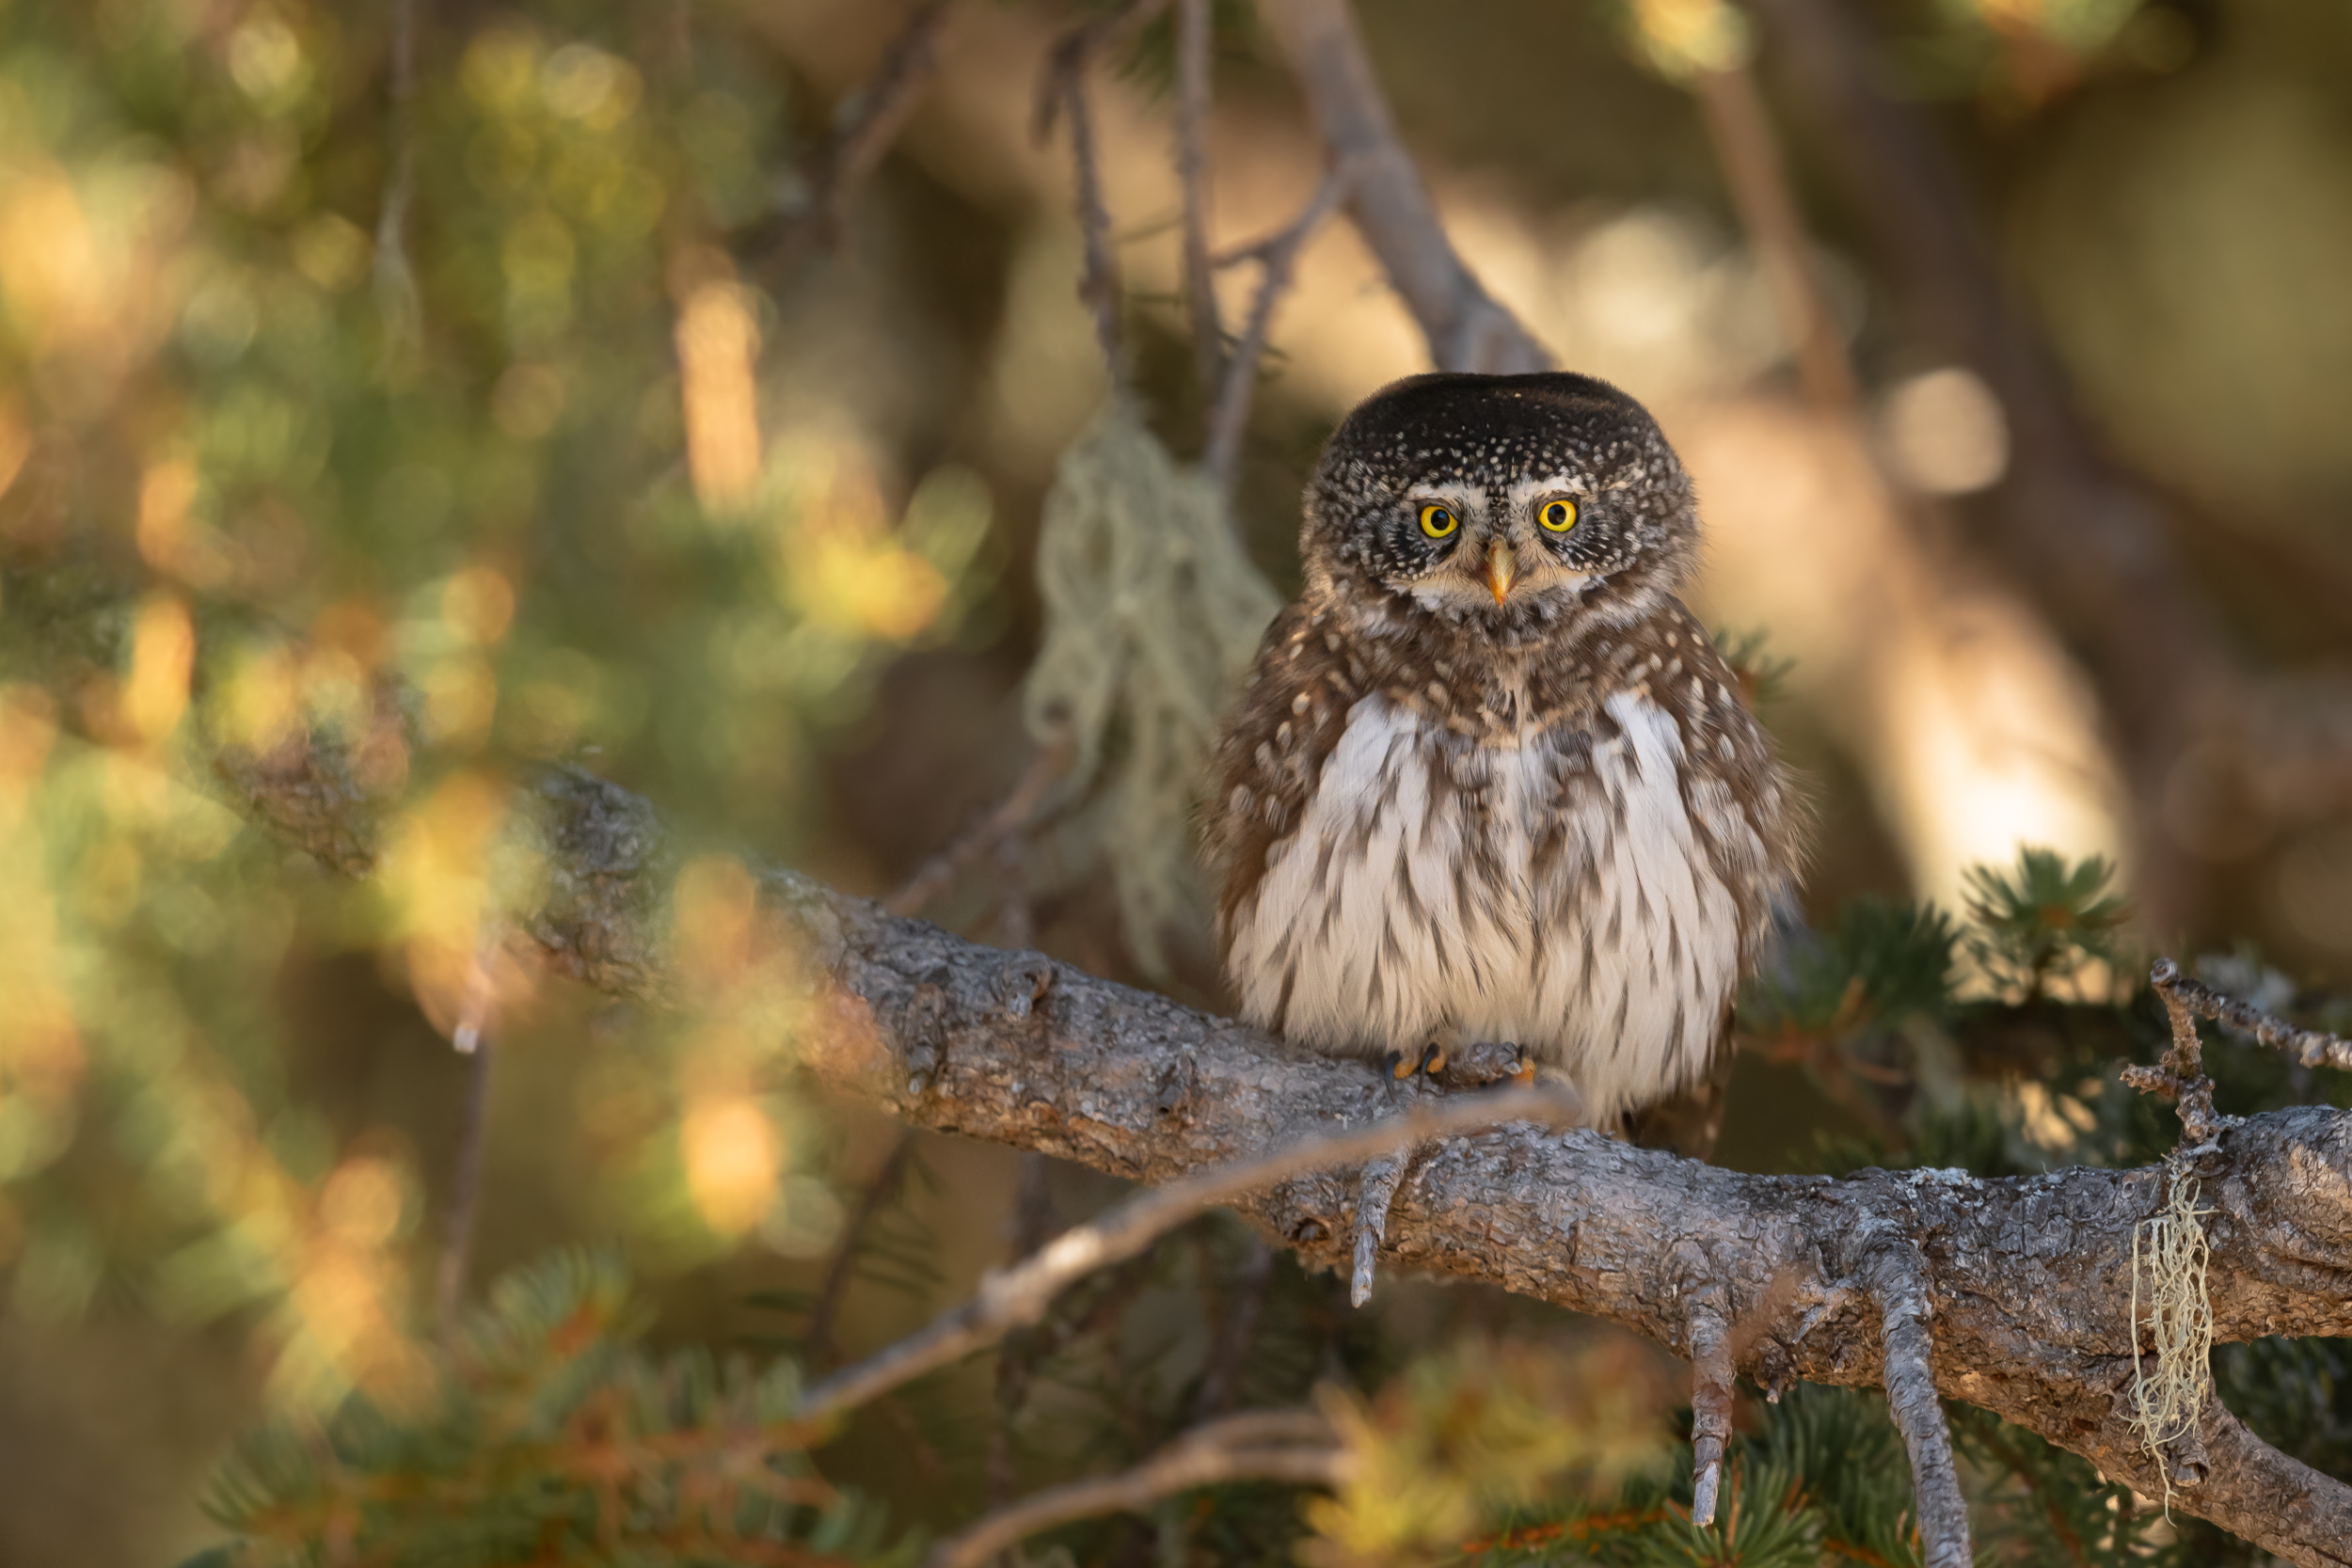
x=1467, y=330
x=2028, y=1279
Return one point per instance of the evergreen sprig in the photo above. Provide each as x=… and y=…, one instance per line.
x=2043, y=921
x=549, y=1436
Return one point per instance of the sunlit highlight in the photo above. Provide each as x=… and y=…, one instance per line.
x=732, y=1160
x=718, y=352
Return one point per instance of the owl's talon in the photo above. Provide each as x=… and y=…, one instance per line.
x=1398, y=1066
x=1432, y=1059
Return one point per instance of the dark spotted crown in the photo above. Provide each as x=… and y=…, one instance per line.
x=1508, y=506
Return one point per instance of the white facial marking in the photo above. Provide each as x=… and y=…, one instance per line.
x=1521, y=499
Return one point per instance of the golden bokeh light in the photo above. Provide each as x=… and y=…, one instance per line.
x=163, y=658
x=718, y=346
x=732, y=1156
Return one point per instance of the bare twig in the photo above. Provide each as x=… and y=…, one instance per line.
x=864, y=122
x=1897, y=1280
x=1221, y=1372
x=1466, y=329
x=817, y=1346
x=1712, y=1374
x=1062, y=91
x=1374, y=1194
x=2182, y=1073
x=1019, y=1296
x=2310, y=1047
x=1195, y=35
x=1295, y=1446
x=1277, y=255
x=1011, y=817
x=1743, y=135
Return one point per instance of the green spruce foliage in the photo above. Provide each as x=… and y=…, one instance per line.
x=545, y=1433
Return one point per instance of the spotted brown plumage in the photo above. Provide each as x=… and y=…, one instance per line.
x=1490, y=780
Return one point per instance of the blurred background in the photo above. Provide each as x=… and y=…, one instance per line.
x=536, y=362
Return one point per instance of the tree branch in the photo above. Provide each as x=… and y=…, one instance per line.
x=1898, y=1283
x=1277, y=254
x=1195, y=39
x=2027, y=1278
x=1293, y=1446
x=1744, y=145
x=864, y=122
x=1019, y=1296
x=1467, y=330
x=2310, y=1047
x=1062, y=93
x=1004, y=826
x=1713, y=1377
x=2087, y=542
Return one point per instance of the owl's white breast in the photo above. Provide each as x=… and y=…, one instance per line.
x=1549, y=893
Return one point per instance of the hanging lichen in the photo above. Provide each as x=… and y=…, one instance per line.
x=1151, y=615
x=2170, y=1247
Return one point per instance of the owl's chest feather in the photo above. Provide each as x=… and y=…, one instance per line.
x=1556, y=893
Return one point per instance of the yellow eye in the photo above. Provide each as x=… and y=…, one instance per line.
x=1559, y=516
x=1438, y=521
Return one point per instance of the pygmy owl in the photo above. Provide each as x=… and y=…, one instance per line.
x=1490, y=780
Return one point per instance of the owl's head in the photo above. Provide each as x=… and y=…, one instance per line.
x=1512, y=506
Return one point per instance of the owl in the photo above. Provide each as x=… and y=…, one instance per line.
x=1489, y=780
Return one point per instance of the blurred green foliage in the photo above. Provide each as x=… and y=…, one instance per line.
x=546, y=1433
x=434, y=426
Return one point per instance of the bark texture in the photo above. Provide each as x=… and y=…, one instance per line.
x=2020, y=1287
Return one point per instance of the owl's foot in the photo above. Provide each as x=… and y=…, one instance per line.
x=1402, y=1069
x=1475, y=1066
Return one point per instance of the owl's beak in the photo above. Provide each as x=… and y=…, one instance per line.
x=1502, y=569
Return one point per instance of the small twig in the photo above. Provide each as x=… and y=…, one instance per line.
x=1222, y=1373
x=1712, y=1374
x=1007, y=821
x=1374, y=1191
x=1019, y=1296
x=1293, y=1446
x=817, y=1346
x=1466, y=329
x=2310, y=1047
x=1744, y=143
x=1062, y=93
x=395, y=276
x=1278, y=255
x=1098, y=286
x=865, y=121
x=1897, y=1280
x=1195, y=33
